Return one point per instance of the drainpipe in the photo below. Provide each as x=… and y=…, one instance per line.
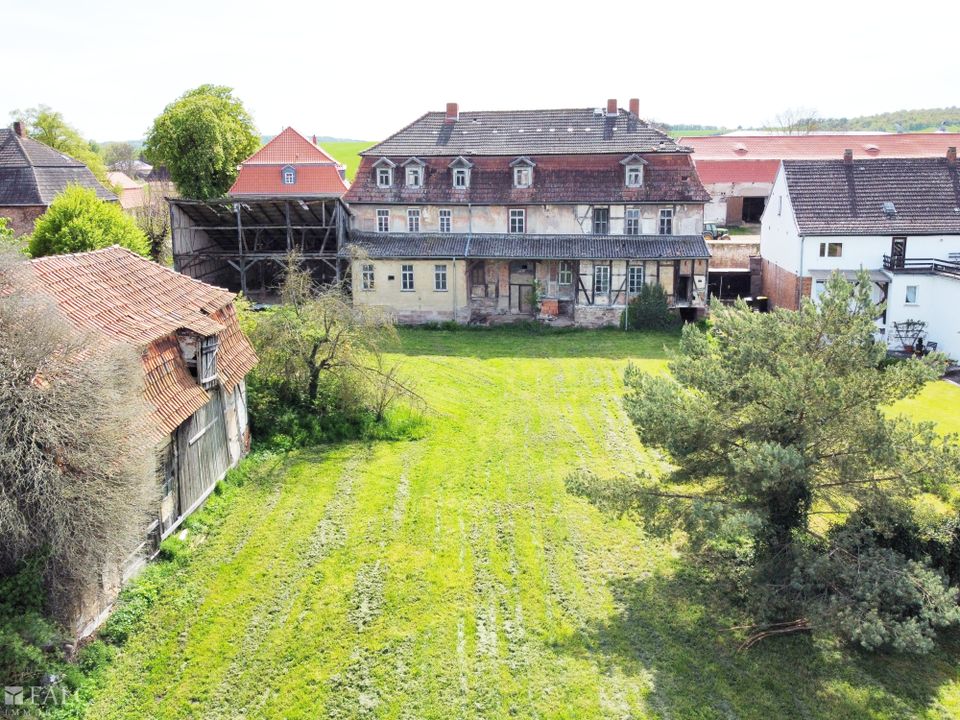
x=800, y=278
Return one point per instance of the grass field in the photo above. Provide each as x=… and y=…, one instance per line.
x=454, y=577
x=347, y=153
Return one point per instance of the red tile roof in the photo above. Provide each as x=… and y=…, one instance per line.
x=818, y=147
x=317, y=172
x=131, y=300
x=737, y=171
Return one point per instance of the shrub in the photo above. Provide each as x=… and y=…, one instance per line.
x=649, y=310
x=78, y=221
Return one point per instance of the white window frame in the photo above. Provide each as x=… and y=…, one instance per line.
x=384, y=177
x=634, y=279
x=440, y=278
x=666, y=220
x=413, y=220
x=414, y=176
x=446, y=220
x=916, y=295
x=518, y=221
x=631, y=169
x=523, y=176
x=383, y=220
x=367, y=277
x=601, y=279
x=631, y=217
x=831, y=249
x=463, y=173
x=406, y=278
x=565, y=273
x=292, y=175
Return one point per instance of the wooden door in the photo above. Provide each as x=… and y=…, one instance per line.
x=203, y=450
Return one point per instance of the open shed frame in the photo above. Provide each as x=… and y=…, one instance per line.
x=243, y=243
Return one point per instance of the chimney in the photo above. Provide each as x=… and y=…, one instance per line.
x=314, y=139
x=612, y=106
x=848, y=157
x=635, y=107
x=453, y=113
x=18, y=128
x=952, y=156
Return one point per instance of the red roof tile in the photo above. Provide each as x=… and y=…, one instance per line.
x=131, y=300
x=737, y=171
x=317, y=172
x=817, y=147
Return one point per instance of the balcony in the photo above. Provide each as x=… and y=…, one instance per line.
x=922, y=265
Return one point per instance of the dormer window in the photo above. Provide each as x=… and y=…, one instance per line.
x=384, y=172
x=633, y=171
x=289, y=175
x=522, y=172
x=460, y=173
x=414, y=172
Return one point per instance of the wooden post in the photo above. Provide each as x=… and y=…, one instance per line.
x=243, y=264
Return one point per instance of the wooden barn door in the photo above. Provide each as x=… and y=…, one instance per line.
x=204, y=454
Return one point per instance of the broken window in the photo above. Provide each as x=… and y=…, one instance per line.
x=634, y=176
x=522, y=177
x=831, y=249
x=415, y=177
x=207, y=365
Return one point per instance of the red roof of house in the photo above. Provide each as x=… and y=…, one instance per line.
x=128, y=299
x=316, y=172
x=737, y=171
x=819, y=147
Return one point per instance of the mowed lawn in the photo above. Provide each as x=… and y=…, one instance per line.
x=454, y=577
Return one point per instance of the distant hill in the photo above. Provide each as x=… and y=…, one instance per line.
x=320, y=139
x=928, y=120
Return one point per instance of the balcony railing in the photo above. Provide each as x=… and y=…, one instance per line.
x=922, y=265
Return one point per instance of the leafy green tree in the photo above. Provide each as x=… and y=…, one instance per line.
x=771, y=420
x=77, y=221
x=119, y=156
x=201, y=138
x=48, y=126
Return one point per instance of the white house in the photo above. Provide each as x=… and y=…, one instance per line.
x=897, y=218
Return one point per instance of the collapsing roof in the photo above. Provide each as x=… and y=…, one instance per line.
x=128, y=299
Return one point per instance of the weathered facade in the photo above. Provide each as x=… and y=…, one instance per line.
x=489, y=216
x=194, y=359
x=33, y=174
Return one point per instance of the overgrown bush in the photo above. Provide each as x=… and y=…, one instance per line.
x=649, y=310
x=78, y=221
x=322, y=374
x=76, y=480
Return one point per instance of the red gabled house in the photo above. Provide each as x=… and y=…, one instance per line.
x=292, y=165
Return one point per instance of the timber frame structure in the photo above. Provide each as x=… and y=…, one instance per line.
x=242, y=243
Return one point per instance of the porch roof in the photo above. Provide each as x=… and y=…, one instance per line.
x=528, y=247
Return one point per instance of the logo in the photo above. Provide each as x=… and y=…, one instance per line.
x=13, y=695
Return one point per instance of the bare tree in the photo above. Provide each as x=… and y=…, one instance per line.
x=153, y=218
x=797, y=121
x=76, y=476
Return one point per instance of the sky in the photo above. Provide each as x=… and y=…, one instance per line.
x=363, y=70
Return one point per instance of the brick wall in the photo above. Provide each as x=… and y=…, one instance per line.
x=781, y=285
x=21, y=218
